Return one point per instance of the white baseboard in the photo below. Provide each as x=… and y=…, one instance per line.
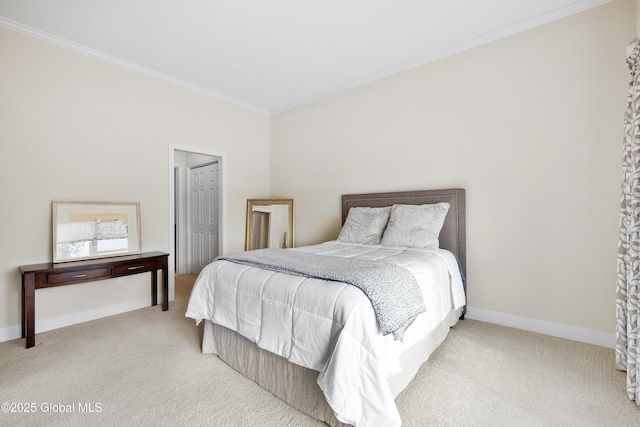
x=10, y=333
x=43, y=325
x=525, y=323
x=559, y=330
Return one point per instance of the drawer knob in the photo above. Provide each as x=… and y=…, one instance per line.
x=136, y=267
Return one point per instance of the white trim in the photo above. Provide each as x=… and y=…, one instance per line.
x=559, y=330
x=177, y=171
x=562, y=12
x=48, y=324
x=579, y=6
x=88, y=315
x=9, y=333
x=527, y=324
x=101, y=56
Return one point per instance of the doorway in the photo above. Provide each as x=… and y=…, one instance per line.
x=182, y=160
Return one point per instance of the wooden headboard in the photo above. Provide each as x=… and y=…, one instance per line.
x=453, y=233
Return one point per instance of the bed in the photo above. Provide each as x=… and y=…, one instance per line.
x=318, y=343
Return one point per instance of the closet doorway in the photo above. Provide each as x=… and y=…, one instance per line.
x=197, y=206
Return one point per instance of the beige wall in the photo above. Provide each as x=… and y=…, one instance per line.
x=75, y=128
x=637, y=18
x=530, y=125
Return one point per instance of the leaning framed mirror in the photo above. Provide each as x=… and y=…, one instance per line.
x=269, y=224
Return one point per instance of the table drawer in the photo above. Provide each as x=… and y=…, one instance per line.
x=77, y=276
x=134, y=268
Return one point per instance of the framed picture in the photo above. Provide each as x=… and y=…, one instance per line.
x=86, y=230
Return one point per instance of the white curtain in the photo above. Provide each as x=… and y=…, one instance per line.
x=628, y=290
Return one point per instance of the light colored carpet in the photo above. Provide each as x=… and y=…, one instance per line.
x=145, y=368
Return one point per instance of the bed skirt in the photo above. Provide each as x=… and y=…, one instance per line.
x=297, y=385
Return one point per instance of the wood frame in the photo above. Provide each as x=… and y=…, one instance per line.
x=47, y=275
x=265, y=203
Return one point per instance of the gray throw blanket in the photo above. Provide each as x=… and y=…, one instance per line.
x=392, y=290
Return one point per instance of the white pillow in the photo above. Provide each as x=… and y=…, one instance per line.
x=415, y=226
x=364, y=225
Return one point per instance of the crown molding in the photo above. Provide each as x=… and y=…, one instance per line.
x=101, y=56
x=563, y=12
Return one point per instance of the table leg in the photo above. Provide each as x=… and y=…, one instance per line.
x=154, y=287
x=28, y=308
x=165, y=283
x=23, y=329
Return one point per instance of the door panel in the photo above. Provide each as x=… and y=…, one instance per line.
x=204, y=216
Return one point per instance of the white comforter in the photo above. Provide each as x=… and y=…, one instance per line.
x=329, y=326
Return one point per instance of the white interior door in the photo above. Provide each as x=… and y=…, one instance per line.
x=203, y=211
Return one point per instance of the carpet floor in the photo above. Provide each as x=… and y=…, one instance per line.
x=145, y=368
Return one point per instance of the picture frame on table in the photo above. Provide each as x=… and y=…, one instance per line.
x=88, y=230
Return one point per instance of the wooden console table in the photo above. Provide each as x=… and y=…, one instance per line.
x=48, y=275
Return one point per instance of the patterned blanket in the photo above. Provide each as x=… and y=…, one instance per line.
x=393, y=291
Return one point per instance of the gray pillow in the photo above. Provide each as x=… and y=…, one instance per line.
x=364, y=225
x=415, y=226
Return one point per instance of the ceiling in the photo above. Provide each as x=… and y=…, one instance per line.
x=274, y=55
